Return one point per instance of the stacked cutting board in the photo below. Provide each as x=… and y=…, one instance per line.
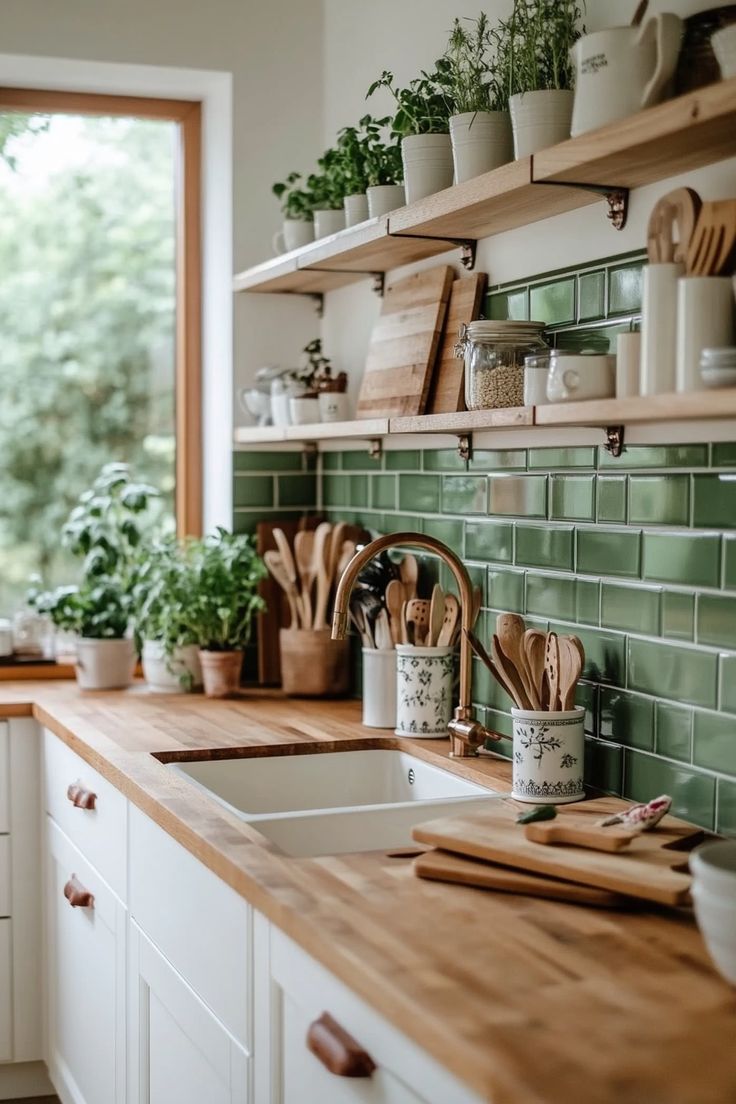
x=562, y=858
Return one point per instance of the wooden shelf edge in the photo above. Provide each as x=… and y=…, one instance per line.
x=362, y=428
x=674, y=407
x=258, y=435
x=465, y=421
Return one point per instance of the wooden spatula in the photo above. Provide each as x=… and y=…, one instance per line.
x=303, y=553
x=510, y=630
x=713, y=244
x=436, y=615
x=534, y=650
x=679, y=208
x=552, y=670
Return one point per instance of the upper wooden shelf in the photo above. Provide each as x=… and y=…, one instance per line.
x=685, y=133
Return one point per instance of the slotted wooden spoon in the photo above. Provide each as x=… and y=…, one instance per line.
x=417, y=617
x=534, y=650
x=449, y=621
x=510, y=630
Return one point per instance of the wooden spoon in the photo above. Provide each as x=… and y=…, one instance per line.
x=320, y=572
x=436, y=615
x=394, y=601
x=510, y=675
x=417, y=615
x=303, y=555
x=404, y=624
x=348, y=551
x=334, y=549
x=534, y=645
x=486, y=660
x=552, y=670
x=713, y=243
x=680, y=208
x=570, y=670
x=275, y=565
x=510, y=629
x=409, y=571
x=449, y=621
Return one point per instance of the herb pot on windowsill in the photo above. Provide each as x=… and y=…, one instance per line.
x=540, y=119
x=428, y=164
x=104, y=664
x=385, y=198
x=356, y=208
x=179, y=672
x=481, y=141
x=220, y=672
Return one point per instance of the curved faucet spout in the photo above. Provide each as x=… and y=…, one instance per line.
x=466, y=733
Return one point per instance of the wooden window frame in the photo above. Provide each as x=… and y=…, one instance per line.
x=188, y=370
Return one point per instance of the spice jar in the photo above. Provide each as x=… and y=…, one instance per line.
x=494, y=355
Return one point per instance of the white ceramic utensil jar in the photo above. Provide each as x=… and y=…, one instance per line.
x=659, y=327
x=424, y=678
x=705, y=310
x=379, y=687
x=548, y=756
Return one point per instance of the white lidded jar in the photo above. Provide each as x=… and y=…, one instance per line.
x=494, y=354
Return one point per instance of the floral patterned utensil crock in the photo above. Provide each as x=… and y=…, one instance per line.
x=424, y=678
x=548, y=756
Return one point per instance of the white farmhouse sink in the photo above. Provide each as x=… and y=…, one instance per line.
x=327, y=803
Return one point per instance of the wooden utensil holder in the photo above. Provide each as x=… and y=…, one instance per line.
x=313, y=665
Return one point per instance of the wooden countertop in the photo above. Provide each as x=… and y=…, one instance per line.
x=527, y=1001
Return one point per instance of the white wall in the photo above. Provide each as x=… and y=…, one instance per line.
x=405, y=36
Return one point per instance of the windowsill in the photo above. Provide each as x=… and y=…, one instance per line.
x=36, y=671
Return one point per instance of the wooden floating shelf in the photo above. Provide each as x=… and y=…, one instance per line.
x=681, y=134
x=652, y=410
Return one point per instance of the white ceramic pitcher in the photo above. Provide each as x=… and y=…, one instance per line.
x=623, y=69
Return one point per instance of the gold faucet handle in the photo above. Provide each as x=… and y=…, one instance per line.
x=467, y=734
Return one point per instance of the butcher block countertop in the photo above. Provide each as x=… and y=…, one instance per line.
x=527, y=1001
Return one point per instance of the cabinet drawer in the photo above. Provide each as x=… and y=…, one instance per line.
x=404, y=1074
x=98, y=832
x=5, y=876
x=6, y=991
x=4, y=778
x=202, y=926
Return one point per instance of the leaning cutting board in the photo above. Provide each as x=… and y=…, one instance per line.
x=650, y=868
x=447, y=389
x=443, y=866
x=404, y=345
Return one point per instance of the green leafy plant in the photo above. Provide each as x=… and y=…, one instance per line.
x=296, y=202
x=327, y=187
x=97, y=609
x=226, y=575
x=367, y=160
x=469, y=70
x=533, y=45
x=423, y=107
x=163, y=595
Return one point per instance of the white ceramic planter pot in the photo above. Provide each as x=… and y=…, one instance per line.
x=333, y=406
x=428, y=164
x=379, y=687
x=424, y=678
x=293, y=235
x=548, y=756
x=328, y=222
x=481, y=141
x=304, y=411
x=540, y=119
x=385, y=198
x=182, y=671
x=356, y=209
x=105, y=664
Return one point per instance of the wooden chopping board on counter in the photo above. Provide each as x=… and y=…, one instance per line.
x=447, y=390
x=404, y=345
x=653, y=867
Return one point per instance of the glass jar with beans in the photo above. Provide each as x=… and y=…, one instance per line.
x=494, y=355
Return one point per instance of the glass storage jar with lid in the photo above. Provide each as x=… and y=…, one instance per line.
x=494, y=361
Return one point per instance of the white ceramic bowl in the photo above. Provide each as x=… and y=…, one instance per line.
x=718, y=377
x=724, y=47
x=713, y=867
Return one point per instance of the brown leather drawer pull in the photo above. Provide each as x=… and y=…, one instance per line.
x=81, y=798
x=337, y=1051
x=77, y=895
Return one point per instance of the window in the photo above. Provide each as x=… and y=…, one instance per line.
x=99, y=312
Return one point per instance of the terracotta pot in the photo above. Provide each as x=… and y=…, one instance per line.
x=312, y=664
x=220, y=672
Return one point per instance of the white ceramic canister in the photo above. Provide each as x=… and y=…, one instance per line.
x=356, y=209
x=293, y=235
x=180, y=672
x=574, y=377
x=6, y=636
x=628, y=364
x=424, y=680
x=428, y=166
x=328, y=222
x=104, y=664
x=548, y=756
x=481, y=141
x=705, y=310
x=536, y=371
x=379, y=687
x=304, y=409
x=540, y=119
x=659, y=328
x=333, y=406
x=385, y=198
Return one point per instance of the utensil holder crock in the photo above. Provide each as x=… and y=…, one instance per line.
x=548, y=756
x=313, y=665
x=424, y=680
x=379, y=687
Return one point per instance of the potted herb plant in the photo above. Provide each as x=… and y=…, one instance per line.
x=480, y=129
x=304, y=405
x=105, y=529
x=351, y=150
x=421, y=121
x=533, y=48
x=384, y=168
x=226, y=576
x=296, y=207
x=326, y=190
x=163, y=595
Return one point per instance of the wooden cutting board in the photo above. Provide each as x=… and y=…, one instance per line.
x=404, y=344
x=447, y=389
x=647, y=869
x=443, y=866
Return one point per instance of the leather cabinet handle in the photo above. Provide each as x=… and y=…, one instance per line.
x=81, y=798
x=337, y=1051
x=77, y=895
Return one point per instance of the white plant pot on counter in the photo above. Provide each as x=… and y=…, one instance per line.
x=384, y=198
x=356, y=209
x=481, y=141
x=428, y=166
x=104, y=664
x=328, y=222
x=379, y=687
x=424, y=678
x=173, y=674
x=548, y=756
x=293, y=235
x=540, y=119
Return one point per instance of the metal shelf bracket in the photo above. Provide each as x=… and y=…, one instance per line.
x=616, y=198
x=468, y=246
x=614, y=440
x=375, y=448
x=465, y=446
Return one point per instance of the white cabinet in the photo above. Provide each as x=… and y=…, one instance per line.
x=181, y=1054
x=4, y=777
x=6, y=993
x=85, y=978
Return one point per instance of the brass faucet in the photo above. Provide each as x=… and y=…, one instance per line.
x=466, y=733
